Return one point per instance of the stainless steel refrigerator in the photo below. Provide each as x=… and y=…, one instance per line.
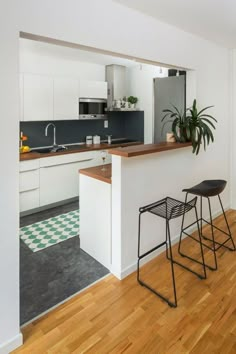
x=167, y=91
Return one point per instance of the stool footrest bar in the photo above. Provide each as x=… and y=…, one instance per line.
x=195, y=260
x=152, y=250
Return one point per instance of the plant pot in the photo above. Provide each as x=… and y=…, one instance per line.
x=170, y=138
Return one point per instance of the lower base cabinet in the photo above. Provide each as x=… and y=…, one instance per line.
x=54, y=179
x=58, y=183
x=29, y=185
x=59, y=176
x=29, y=200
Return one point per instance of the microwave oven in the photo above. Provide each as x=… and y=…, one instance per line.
x=92, y=108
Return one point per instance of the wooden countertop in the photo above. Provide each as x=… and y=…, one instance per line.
x=36, y=155
x=97, y=173
x=145, y=149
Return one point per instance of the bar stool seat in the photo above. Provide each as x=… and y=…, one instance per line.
x=207, y=189
x=168, y=208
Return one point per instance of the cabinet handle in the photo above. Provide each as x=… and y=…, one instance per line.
x=32, y=169
x=29, y=190
x=66, y=163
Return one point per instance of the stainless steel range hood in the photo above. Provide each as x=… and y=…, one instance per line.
x=116, y=83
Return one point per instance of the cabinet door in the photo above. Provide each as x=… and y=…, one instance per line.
x=37, y=97
x=66, y=98
x=29, y=200
x=93, y=89
x=60, y=182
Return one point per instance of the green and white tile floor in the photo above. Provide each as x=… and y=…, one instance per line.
x=48, y=232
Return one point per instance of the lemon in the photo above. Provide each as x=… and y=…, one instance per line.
x=26, y=148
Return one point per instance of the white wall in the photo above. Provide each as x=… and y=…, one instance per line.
x=9, y=202
x=107, y=28
x=140, y=84
x=35, y=60
x=232, y=79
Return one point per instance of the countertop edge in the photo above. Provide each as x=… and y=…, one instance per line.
x=96, y=173
x=36, y=155
x=147, y=149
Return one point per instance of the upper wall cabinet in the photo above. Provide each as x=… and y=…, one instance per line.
x=93, y=89
x=55, y=98
x=66, y=98
x=37, y=97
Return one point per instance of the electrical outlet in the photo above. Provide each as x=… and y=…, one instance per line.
x=105, y=123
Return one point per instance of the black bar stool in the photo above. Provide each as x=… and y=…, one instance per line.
x=207, y=189
x=168, y=208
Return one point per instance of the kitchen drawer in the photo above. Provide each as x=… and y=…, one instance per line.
x=67, y=159
x=29, y=180
x=29, y=200
x=29, y=165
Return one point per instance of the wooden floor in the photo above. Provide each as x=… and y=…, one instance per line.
x=123, y=317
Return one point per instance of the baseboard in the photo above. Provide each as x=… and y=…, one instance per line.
x=133, y=267
x=49, y=206
x=12, y=344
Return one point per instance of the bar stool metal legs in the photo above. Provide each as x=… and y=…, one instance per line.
x=207, y=189
x=168, y=208
x=141, y=282
x=183, y=231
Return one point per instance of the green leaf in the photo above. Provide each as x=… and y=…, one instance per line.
x=208, y=121
x=204, y=109
x=176, y=110
x=208, y=116
x=168, y=121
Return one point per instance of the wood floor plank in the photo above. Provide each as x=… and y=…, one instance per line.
x=116, y=316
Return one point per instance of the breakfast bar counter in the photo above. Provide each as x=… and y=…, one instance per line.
x=98, y=173
x=138, y=150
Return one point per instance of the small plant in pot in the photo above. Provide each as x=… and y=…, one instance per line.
x=132, y=101
x=192, y=125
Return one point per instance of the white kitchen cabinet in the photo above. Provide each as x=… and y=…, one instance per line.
x=59, y=176
x=29, y=185
x=66, y=98
x=37, y=97
x=93, y=89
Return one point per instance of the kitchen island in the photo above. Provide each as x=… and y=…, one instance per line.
x=110, y=200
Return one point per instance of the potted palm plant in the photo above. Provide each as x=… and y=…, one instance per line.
x=192, y=125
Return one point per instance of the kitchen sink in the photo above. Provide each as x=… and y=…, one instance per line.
x=50, y=150
x=75, y=147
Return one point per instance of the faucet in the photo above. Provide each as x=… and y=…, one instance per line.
x=54, y=133
x=109, y=139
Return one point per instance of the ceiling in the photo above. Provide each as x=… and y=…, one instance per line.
x=214, y=20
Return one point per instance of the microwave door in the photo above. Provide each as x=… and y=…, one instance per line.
x=92, y=108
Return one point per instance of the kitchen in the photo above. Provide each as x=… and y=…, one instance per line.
x=56, y=85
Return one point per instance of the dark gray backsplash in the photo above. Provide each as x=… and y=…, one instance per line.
x=120, y=125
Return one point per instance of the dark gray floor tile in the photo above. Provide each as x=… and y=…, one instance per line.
x=50, y=276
